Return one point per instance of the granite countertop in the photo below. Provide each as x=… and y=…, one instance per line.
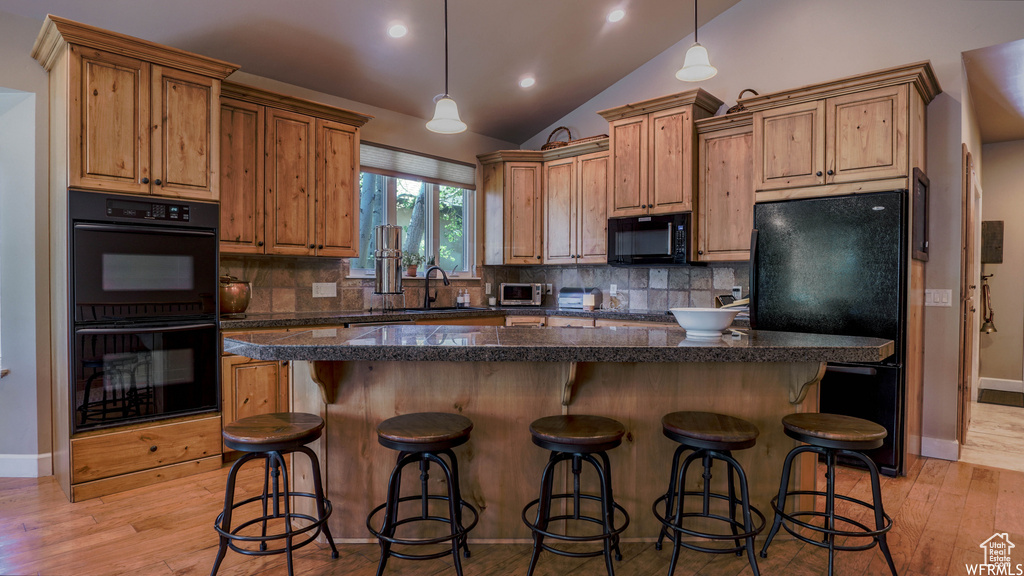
x=340, y=317
x=516, y=343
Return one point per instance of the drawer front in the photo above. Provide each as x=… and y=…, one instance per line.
x=107, y=455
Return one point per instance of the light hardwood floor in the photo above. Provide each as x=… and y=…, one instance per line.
x=995, y=437
x=942, y=512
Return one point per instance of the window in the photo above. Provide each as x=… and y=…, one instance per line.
x=431, y=199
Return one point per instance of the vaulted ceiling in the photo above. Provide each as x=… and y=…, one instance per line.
x=341, y=47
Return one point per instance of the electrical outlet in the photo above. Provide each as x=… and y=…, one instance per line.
x=938, y=297
x=737, y=292
x=487, y=288
x=325, y=289
x=547, y=288
x=613, y=290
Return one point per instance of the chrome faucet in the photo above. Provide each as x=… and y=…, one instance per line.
x=427, y=299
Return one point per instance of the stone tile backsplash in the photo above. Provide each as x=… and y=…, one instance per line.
x=285, y=284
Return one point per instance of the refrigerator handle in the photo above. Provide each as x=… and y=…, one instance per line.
x=752, y=306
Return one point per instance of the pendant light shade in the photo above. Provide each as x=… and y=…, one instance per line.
x=446, y=114
x=446, y=117
x=696, y=66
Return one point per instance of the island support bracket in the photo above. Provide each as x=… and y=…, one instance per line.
x=797, y=392
x=568, y=383
x=322, y=373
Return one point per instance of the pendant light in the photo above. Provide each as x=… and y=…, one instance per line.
x=696, y=66
x=446, y=114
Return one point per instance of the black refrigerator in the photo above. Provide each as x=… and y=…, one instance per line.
x=838, y=265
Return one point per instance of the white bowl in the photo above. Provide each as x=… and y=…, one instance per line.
x=704, y=323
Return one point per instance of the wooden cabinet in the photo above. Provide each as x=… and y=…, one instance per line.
x=519, y=187
x=653, y=153
x=857, y=134
x=290, y=176
x=575, y=321
x=534, y=321
x=724, y=212
x=250, y=387
x=137, y=117
x=575, y=212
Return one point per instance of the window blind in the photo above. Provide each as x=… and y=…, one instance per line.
x=388, y=161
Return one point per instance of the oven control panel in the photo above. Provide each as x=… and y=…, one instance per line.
x=119, y=208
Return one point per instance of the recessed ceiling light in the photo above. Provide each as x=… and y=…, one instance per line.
x=397, y=30
x=527, y=81
x=616, y=15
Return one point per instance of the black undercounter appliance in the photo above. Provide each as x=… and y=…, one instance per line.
x=143, y=288
x=838, y=265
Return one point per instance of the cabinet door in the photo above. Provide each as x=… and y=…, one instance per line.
x=726, y=195
x=108, y=123
x=560, y=205
x=532, y=321
x=186, y=121
x=523, y=224
x=867, y=135
x=789, y=146
x=252, y=387
x=592, y=209
x=337, y=190
x=241, y=177
x=627, y=141
x=289, y=182
x=671, y=155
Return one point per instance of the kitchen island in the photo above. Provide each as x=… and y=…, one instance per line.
x=505, y=377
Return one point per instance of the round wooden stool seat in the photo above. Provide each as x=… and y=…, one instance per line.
x=709, y=430
x=424, y=431
x=270, y=432
x=834, y=431
x=579, y=433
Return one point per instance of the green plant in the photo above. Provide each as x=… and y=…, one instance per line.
x=431, y=262
x=411, y=259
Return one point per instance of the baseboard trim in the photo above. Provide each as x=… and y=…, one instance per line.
x=939, y=448
x=1001, y=384
x=26, y=465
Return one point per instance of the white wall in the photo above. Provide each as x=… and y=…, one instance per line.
x=1002, y=353
x=24, y=317
x=770, y=45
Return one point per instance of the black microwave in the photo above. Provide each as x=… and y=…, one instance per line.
x=649, y=240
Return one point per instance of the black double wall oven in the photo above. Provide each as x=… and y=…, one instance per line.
x=143, y=295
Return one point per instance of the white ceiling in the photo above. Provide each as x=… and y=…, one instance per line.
x=995, y=76
x=340, y=47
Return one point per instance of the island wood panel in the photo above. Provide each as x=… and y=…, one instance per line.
x=500, y=467
x=241, y=177
x=337, y=189
x=789, y=146
x=627, y=191
x=560, y=206
x=671, y=156
x=592, y=209
x=109, y=113
x=638, y=395
x=186, y=124
x=289, y=182
x=867, y=135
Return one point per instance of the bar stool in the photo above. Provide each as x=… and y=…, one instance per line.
x=710, y=437
x=580, y=439
x=423, y=437
x=271, y=436
x=830, y=435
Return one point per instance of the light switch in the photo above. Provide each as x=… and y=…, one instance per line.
x=938, y=297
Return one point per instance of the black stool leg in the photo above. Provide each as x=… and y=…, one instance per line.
x=225, y=516
x=543, y=508
x=264, y=499
x=456, y=493
x=830, y=507
x=748, y=521
x=876, y=496
x=318, y=490
x=454, y=506
x=781, y=498
x=391, y=509
x=670, y=494
x=609, y=503
x=281, y=492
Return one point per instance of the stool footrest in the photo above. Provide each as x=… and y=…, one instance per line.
x=459, y=534
x=314, y=526
x=679, y=529
x=862, y=532
x=612, y=535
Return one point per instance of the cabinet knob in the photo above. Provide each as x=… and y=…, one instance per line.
x=319, y=246
x=312, y=245
x=830, y=172
x=152, y=448
x=818, y=173
x=700, y=252
x=538, y=257
x=158, y=182
x=260, y=243
x=644, y=206
x=145, y=180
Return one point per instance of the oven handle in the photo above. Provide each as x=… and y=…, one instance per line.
x=144, y=330
x=144, y=229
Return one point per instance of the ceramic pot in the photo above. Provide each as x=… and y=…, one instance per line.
x=234, y=295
